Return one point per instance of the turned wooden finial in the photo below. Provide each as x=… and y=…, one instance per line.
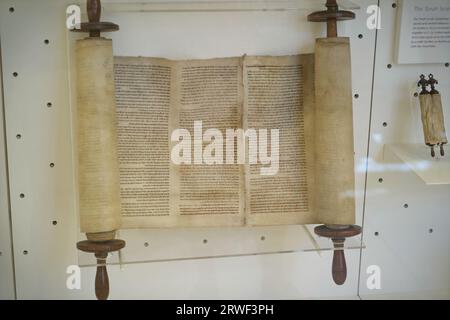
x=94, y=10
x=338, y=234
x=101, y=250
x=331, y=16
x=95, y=26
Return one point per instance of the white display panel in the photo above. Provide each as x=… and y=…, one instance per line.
x=406, y=222
x=43, y=77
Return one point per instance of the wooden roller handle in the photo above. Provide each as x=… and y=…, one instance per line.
x=338, y=234
x=94, y=10
x=331, y=16
x=332, y=22
x=339, y=267
x=101, y=277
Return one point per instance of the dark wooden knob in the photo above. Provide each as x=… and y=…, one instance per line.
x=331, y=16
x=338, y=234
x=101, y=277
x=339, y=267
x=94, y=10
x=101, y=250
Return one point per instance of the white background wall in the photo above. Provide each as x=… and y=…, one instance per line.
x=413, y=261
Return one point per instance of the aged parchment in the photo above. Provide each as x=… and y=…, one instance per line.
x=307, y=98
x=279, y=93
x=155, y=97
x=98, y=170
x=432, y=117
x=334, y=153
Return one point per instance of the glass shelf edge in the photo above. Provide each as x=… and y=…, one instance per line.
x=123, y=263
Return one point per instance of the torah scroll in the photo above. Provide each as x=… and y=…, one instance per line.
x=98, y=169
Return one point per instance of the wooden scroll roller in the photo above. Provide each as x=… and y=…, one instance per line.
x=432, y=115
x=335, y=114
x=98, y=173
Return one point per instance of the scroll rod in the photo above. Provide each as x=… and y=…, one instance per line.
x=331, y=16
x=337, y=233
x=99, y=243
